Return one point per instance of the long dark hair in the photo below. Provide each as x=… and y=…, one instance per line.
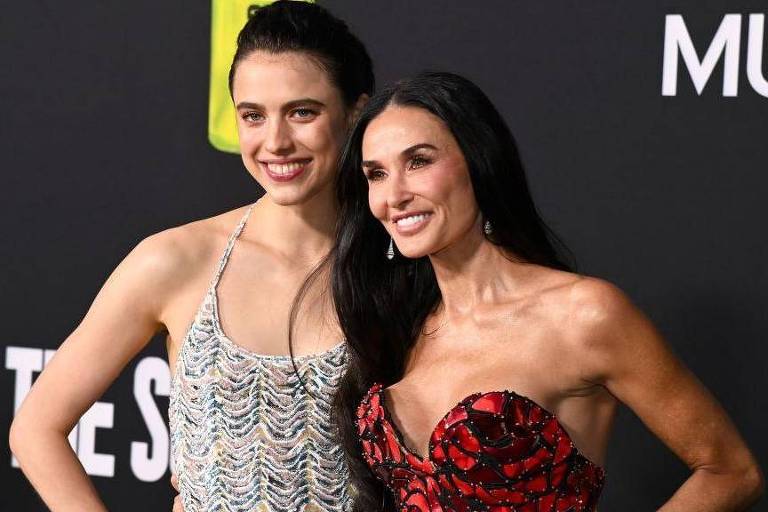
x=289, y=26
x=382, y=305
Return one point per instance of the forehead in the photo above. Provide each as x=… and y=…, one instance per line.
x=264, y=77
x=400, y=127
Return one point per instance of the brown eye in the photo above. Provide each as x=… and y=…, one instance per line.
x=375, y=174
x=418, y=161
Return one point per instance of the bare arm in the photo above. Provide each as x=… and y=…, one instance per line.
x=121, y=321
x=632, y=360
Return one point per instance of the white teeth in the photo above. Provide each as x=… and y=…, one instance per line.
x=285, y=168
x=411, y=220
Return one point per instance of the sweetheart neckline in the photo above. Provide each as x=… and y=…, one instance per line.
x=472, y=396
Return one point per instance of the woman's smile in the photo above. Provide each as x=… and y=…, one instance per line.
x=284, y=170
x=411, y=223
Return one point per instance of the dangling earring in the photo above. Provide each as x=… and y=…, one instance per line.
x=390, y=250
x=487, y=228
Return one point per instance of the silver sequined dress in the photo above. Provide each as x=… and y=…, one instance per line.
x=245, y=436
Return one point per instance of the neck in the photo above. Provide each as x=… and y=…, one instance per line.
x=302, y=233
x=474, y=271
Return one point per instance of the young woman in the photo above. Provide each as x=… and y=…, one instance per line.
x=484, y=373
x=250, y=425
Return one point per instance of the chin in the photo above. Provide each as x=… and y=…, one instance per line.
x=292, y=196
x=413, y=253
x=289, y=199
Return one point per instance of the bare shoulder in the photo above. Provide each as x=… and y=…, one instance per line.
x=588, y=311
x=607, y=329
x=578, y=297
x=176, y=255
x=595, y=303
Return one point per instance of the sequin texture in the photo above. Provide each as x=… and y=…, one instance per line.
x=245, y=435
x=496, y=452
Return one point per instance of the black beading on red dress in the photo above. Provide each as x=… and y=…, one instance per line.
x=496, y=452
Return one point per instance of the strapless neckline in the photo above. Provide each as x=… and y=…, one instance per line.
x=494, y=451
x=445, y=421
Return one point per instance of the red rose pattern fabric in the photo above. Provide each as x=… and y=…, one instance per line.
x=495, y=452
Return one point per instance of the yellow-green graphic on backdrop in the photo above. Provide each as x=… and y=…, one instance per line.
x=227, y=18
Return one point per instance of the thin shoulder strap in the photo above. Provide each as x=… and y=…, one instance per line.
x=230, y=244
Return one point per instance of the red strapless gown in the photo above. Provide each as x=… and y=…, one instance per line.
x=496, y=452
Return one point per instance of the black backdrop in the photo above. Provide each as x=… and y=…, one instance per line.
x=103, y=114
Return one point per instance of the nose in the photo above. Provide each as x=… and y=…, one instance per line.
x=278, y=140
x=398, y=194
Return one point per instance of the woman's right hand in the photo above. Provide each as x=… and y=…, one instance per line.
x=177, y=507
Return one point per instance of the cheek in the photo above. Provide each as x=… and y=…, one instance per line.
x=377, y=202
x=438, y=186
x=452, y=188
x=250, y=139
x=463, y=206
x=320, y=137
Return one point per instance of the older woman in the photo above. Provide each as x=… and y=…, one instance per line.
x=484, y=372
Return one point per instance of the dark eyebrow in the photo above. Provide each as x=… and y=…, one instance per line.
x=370, y=163
x=288, y=106
x=249, y=105
x=406, y=152
x=411, y=150
x=303, y=102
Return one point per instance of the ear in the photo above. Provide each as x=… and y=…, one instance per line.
x=354, y=112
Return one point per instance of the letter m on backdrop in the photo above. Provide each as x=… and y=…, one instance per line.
x=726, y=42
x=227, y=18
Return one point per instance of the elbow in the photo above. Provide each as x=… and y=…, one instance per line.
x=16, y=438
x=21, y=436
x=742, y=480
x=747, y=482
x=753, y=481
